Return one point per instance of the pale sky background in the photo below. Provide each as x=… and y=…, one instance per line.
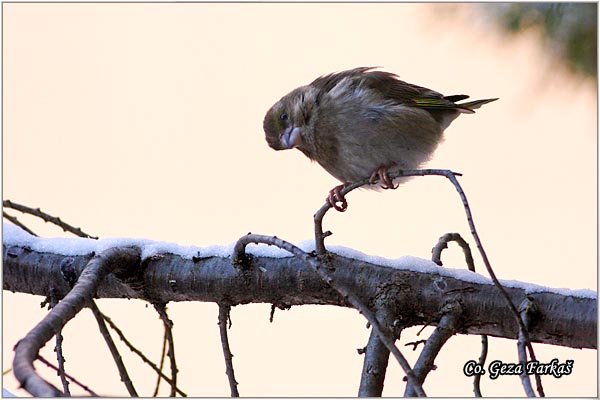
x=145, y=121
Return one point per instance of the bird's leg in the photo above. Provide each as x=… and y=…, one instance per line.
x=336, y=196
x=384, y=178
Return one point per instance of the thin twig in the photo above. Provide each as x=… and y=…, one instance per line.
x=239, y=256
x=482, y=357
x=73, y=379
x=525, y=381
x=59, y=353
x=131, y=347
x=422, y=329
x=113, y=349
x=416, y=344
x=284, y=307
x=224, y=310
x=318, y=217
x=47, y=218
x=162, y=364
x=161, y=308
x=18, y=223
x=522, y=328
x=61, y=364
x=448, y=325
x=272, y=313
x=436, y=252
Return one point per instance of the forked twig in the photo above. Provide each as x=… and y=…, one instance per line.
x=436, y=257
x=27, y=349
x=239, y=257
x=140, y=354
x=451, y=176
x=416, y=344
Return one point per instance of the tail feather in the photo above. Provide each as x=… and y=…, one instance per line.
x=456, y=97
x=474, y=105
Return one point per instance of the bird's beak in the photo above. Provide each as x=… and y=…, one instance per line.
x=291, y=138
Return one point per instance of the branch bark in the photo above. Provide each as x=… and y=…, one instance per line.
x=563, y=320
x=448, y=325
x=377, y=356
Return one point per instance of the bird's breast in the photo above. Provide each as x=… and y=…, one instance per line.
x=354, y=142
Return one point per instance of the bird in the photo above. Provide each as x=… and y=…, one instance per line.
x=363, y=122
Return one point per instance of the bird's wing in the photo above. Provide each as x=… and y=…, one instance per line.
x=406, y=93
x=327, y=82
x=390, y=87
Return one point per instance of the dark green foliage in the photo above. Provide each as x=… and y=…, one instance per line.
x=570, y=29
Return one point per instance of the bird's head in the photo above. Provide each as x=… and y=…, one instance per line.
x=286, y=123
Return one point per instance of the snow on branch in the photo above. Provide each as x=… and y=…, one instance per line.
x=169, y=272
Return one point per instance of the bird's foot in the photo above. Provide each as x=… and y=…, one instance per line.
x=384, y=177
x=335, y=196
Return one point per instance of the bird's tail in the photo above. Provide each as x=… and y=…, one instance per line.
x=474, y=105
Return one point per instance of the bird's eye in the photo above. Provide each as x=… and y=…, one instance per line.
x=283, y=117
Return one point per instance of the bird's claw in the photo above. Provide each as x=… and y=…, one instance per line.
x=335, y=196
x=384, y=178
x=380, y=174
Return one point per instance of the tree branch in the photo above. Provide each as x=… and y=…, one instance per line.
x=565, y=319
x=377, y=356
